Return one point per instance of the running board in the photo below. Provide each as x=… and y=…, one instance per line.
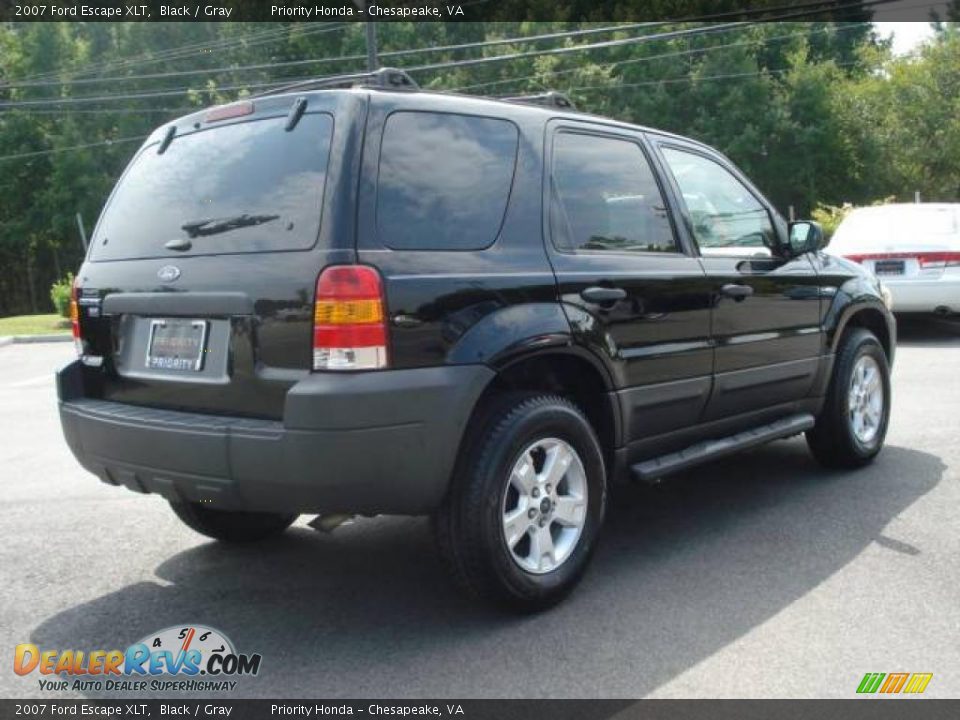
x=653, y=470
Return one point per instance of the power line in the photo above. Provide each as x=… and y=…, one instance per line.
x=205, y=46
x=173, y=92
x=344, y=58
x=436, y=66
x=723, y=27
x=163, y=54
x=100, y=111
x=662, y=56
x=456, y=63
x=173, y=54
x=695, y=78
x=38, y=153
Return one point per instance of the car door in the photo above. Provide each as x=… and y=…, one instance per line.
x=766, y=307
x=632, y=290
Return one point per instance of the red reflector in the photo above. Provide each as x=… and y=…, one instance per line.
x=75, y=317
x=939, y=259
x=349, y=336
x=225, y=112
x=936, y=259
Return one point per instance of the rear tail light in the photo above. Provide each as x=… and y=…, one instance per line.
x=349, y=319
x=926, y=260
x=75, y=319
x=939, y=259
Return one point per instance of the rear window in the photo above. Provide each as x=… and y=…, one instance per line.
x=444, y=180
x=242, y=188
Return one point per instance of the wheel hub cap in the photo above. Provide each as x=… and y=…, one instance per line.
x=865, y=399
x=544, y=505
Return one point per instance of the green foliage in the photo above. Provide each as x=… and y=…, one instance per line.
x=60, y=295
x=830, y=216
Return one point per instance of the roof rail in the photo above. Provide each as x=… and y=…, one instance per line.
x=547, y=99
x=387, y=78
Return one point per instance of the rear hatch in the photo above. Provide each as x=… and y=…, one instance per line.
x=197, y=293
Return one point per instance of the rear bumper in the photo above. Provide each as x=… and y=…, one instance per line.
x=925, y=295
x=382, y=442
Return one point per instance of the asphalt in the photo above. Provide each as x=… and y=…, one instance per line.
x=758, y=576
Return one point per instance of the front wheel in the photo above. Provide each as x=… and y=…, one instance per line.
x=234, y=527
x=853, y=423
x=526, y=503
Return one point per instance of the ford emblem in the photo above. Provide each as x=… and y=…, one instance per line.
x=168, y=273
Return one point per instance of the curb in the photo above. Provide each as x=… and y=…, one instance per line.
x=29, y=339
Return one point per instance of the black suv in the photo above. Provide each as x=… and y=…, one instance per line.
x=353, y=297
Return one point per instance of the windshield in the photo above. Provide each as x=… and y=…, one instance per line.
x=247, y=187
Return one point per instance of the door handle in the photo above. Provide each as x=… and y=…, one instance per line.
x=737, y=292
x=603, y=294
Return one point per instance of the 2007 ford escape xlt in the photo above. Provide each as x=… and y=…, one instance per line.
x=353, y=297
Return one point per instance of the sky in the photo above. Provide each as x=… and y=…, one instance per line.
x=906, y=35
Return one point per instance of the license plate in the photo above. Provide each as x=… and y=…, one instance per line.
x=888, y=267
x=177, y=345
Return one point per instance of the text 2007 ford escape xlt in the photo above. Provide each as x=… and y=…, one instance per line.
x=353, y=297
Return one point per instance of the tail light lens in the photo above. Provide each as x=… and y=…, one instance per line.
x=926, y=260
x=75, y=319
x=349, y=319
x=939, y=259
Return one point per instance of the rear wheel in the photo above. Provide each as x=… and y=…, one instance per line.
x=853, y=423
x=235, y=527
x=526, y=503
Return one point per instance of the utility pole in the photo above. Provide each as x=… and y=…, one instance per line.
x=372, y=61
x=371, y=30
x=83, y=232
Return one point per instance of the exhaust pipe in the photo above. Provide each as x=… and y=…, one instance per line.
x=329, y=523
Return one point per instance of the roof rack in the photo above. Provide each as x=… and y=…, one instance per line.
x=547, y=99
x=387, y=78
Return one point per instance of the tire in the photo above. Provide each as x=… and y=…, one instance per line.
x=838, y=440
x=232, y=527
x=530, y=432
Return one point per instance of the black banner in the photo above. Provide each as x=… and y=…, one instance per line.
x=892, y=709
x=467, y=10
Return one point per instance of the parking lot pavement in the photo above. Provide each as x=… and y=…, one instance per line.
x=758, y=576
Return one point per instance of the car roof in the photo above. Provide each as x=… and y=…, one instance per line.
x=443, y=101
x=905, y=208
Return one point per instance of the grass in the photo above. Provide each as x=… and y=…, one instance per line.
x=33, y=325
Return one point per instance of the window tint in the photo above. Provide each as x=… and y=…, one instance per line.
x=606, y=197
x=444, y=180
x=247, y=187
x=724, y=213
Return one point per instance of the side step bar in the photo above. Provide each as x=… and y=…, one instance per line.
x=653, y=470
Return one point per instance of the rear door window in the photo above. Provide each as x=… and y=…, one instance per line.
x=444, y=180
x=606, y=197
x=243, y=188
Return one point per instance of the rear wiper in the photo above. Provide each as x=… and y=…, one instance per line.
x=214, y=226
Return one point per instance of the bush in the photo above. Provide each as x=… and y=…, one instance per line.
x=60, y=295
x=830, y=216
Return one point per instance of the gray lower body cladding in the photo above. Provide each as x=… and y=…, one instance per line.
x=382, y=442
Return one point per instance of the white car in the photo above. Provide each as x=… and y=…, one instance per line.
x=913, y=249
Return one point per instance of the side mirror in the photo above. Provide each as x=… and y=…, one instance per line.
x=805, y=236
